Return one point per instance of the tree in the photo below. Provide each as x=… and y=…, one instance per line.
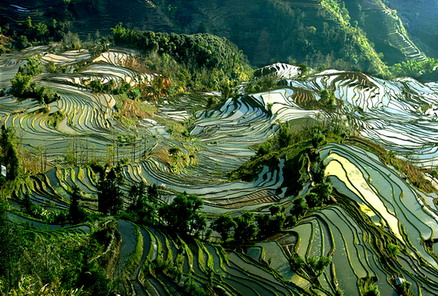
x=404, y=288
x=246, y=228
x=393, y=250
x=198, y=224
x=295, y=261
x=284, y=137
x=270, y=224
x=323, y=190
x=372, y=290
x=12, y=165
x=45, y=95
x=318, y=264
x=10, y=155
x=143, y=208
x=71, y=41
x=182, y=215
x=313, y=200
x=153, y=191
x=300, y=206
x=23, y=42
x=28, y=206
x=109, y=192
x=276, y=223
x=327, y=97
x=21, y=85
x=31, y=68
x=138, y=195
x=223, y=226
x=317, y=138
x=75, y=213
x=263, y=225
x=275, y=209
x=304, y=69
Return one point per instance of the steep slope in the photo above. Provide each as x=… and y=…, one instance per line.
x=420, y=18
x=321, y=33
x=385, y=29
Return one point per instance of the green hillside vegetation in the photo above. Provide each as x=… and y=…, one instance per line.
x=420, y=19
x=65, y=261
x=24, y=87
x=320, y=33
x=425, y=71
x=28, y=33
x=317, y=33
x=200, y=60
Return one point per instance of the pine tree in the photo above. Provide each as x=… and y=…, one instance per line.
x=109, y=193
x=75, y=213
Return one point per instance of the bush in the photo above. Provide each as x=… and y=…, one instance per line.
x=21, y=85
x=31, y=68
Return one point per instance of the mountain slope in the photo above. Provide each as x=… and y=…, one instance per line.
x=322, y=33
x=420, y=18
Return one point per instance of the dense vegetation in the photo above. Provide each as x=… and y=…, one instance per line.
x=24, y=87
x=322, y=34
x=28, y=33
x=425, y=71
x=199, y=60
x=318, y=34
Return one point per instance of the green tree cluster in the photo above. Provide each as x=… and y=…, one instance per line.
x=424, y=71
x=328, y=99
x=28, y=33
x=76, y=213
x=132, y=92
x=183, y=216
x=11, y=249
x=318, y=264
x=24, y=87
x=199, y=50
x=223, y=225
x=43, y=263
x=208, y=60
x=144, y=206
x=270, y=224
x=246, y=228
x=249, y=226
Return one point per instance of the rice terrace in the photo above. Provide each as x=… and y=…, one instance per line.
x=153, y=163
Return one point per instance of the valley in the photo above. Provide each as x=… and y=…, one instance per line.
x=376, y=205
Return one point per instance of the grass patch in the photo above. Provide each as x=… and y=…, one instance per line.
x=130, y=111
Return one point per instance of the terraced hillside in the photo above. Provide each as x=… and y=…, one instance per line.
x=321, y=33
x=399, y=115
x=185, y=144
x=420, y=18
x=386, y=30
